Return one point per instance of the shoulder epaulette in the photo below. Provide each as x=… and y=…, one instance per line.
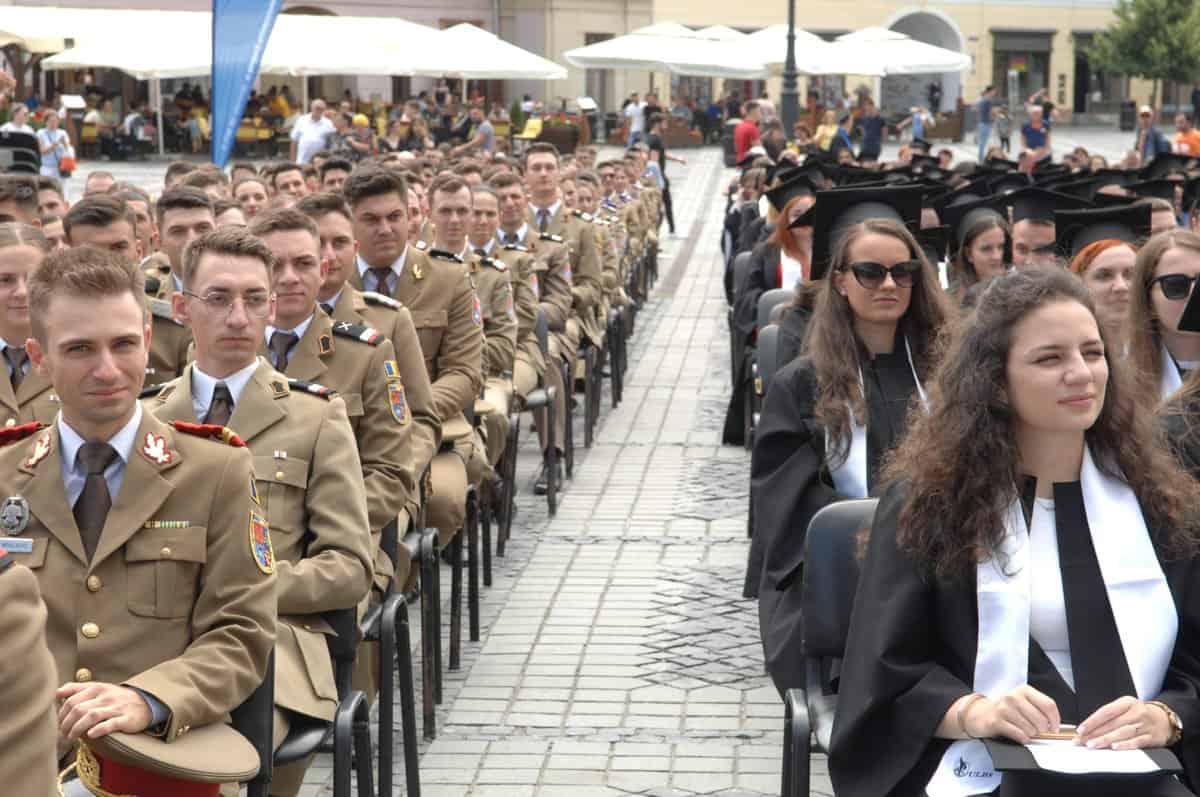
x=379, y=300
x=441, y=254
x=494, y=262
x=421, y=245
x=12, y=434
x=300, y=386
x=549, y=236
x=212, y=431
x=579, y=214
x=160, y=308
x=515, y=248
x=359, y=332
x=150, y=391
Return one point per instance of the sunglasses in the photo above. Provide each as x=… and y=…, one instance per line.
x=872, y=275
x=1174, y=286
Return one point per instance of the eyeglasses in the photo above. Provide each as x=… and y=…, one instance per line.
x=872, y=275
x=1174, y=286
x=257, y=305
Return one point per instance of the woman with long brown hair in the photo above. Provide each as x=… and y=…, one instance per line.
x=831, y=416
x=1031, y=563
x=1163, y=277
x=980, y=244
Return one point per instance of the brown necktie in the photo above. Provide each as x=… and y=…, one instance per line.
x=16, y=359
x=221, y=407
x=281, y=344
x=328, y=308
x=381, y=279
x=91, y=508
x=510, y=239
x=543, y=219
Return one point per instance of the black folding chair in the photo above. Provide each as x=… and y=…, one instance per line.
x=829, y=580
x=767, y=356
x=254, y=719
x=541, y=398
x=741, y=264
x=766, y=303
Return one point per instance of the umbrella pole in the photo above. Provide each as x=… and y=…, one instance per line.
x=156, y=94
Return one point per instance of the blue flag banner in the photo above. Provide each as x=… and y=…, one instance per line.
x=241, y=29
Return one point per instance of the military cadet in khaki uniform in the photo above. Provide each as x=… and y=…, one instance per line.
x=29, y=731
x=438, y=293
x=553, y=282
x=452, y=208
x=154, y=559
x=306, y=465
x=343, y=303
x=356, y=361
x=104, y=222
x=24, y=396
x=183, y=214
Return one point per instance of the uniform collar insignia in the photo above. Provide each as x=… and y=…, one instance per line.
x=41, y=450
x=154, y=448
x=325, y=344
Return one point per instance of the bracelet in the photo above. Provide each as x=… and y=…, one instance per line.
x=962, y=713
x=1173, y=721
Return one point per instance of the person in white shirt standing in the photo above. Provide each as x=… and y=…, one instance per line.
x=635, y=114
x=310, y=134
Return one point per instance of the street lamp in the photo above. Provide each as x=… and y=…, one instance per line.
x=790, y=96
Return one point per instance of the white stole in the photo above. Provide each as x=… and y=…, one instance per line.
x=791, y=270
x=1171, y=381
x=850, y=477
x=1137, y=590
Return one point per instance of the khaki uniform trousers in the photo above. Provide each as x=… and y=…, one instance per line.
x=449, y=474
x=525, y=380
x=498, y=392
x=286, y=780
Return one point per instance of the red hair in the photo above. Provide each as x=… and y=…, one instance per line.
x=1088, y=254
x=781, y=236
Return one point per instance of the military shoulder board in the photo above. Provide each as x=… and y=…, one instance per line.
x=12, y=434
x=549, y=236
x=515, y=248
x=379, y=300
x=579, y=214
x=421, y=245
x=212, y=431
x=301, y=386
x=359, y=332
x=161, y=308
x=443, y=255
x=150, y=392
x=494, y=262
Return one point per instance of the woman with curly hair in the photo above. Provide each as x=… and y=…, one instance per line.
x=831, y=415
x=1032, y=563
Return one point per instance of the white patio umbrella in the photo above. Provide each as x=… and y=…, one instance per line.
x=299, y=46
x=671, y=47
x=465, y=51
x=881, y=52
x=770, y=45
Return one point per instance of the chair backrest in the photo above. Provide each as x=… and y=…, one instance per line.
x=19, y=153
x=533, y=128
x=254, y=719
x=389, y=540
x=541, y=332
x=769, y=301
x=831, y=574
x=741, y=264
x=344, y=622
x=768, y=355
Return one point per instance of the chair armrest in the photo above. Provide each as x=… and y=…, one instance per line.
x=797, y=738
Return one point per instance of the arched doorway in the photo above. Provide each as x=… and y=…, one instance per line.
x=899, y=92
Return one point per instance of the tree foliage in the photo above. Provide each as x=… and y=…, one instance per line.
x=1152, y=39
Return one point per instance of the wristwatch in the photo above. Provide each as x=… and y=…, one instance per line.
x=1172, y=718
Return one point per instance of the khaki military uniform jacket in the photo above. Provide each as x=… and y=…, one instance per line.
x=494, y=288
x=438, y=293
x=309, y=481
x=30, y=728
x=34, y=400
x=522, y=274
x=586, y=271
x=395, y=321
x=178, y=600
x=169, y=342
x=367, y=379
x=552, y=267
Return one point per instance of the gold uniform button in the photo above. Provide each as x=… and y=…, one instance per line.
x=165, y=553
x=11, y=422
x=83, y=675
x=90, y=630
x=278, y=474
x=94, y=583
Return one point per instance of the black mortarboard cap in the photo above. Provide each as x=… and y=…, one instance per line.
x=839, y=209
x=1083, y=189
x=796, y=185
x=1007, y=183
x=853, y=175
x=960, y=215
x=1040, y=204
x=1075, y=229
x=805, y=219
x=933, y=241
x=922, y=144
x=749, y=158
x=1003, y=163
x=1161, y=188
x=1165, y=164
x=1107, y=200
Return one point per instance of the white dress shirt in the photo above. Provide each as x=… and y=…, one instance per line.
x=203, y=386
x=73, y=473
x=397, y=269
x=299, y=331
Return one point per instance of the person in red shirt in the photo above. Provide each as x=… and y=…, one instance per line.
x=746, y=134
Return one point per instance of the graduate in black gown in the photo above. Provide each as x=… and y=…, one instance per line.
x=1032, y=563
x=832, y=415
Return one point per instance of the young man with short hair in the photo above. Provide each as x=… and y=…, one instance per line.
x=183, y=214
x=333, y=173
x=18, y=199
x=51, y=198
x=98, y=182
x=288, y=178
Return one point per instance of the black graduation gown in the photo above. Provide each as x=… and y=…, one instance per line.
x=1181, y=429
x=793, y=324
x=911, y=654
x=790, y=481
x=762, y=275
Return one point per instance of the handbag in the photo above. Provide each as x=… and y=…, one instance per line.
x=66, y=162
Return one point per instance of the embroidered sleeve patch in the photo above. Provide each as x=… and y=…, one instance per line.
x=477, y=313
x=390, y=369
x=398, y=402
x=260, y=543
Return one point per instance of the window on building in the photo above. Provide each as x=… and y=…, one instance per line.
x=1020, y=63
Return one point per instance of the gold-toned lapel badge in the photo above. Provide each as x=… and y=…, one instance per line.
x=325, y=343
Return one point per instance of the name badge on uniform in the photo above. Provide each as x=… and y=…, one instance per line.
x=14, y=516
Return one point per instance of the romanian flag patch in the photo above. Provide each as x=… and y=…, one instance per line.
x=260, y=543
x=398, y=402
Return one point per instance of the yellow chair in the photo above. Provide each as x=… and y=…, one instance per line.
x=502, y=129
x=533, y=129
